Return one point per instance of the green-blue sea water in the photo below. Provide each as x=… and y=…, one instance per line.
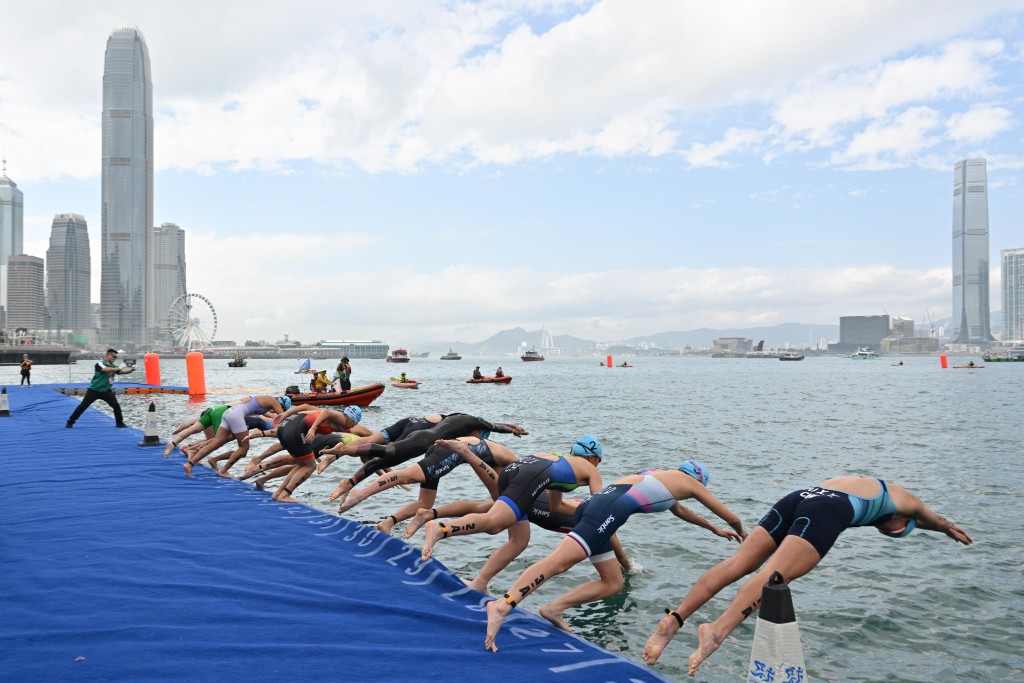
x=921, y=608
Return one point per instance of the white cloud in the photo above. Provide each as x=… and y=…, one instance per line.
x=979, y=123
x=398, y=85
x=473, y=302
x=890, y=143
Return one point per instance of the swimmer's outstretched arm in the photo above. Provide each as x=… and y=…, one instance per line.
x=929, y=520
x=508, y=428
x=687, y=515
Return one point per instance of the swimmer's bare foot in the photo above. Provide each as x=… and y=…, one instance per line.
x=260, y=483
x=341, y=492
x=422, y=516
x=325, y=462
x=287, y=499
x=497, y=610
x=386, y=525
x=435, y=531
x=170, y=447
x=188, y=468
x=553, y=615
x=355, y=498
x=663, y=634
x=477, y=586
x=225, y=474
x=707, y=643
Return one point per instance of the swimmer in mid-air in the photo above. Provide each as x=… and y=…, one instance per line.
x=792, y=539
x=598, y=518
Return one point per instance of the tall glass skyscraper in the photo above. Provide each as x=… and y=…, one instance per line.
x=1013, y=295
x=970, y=321
x=69, y=273
x=126, y=229
x=169, y=269
x=12, y=227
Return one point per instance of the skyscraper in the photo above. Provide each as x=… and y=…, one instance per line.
x=25, y=305
x=1013, y=295
x=126, y=228
x=12, y=226
x=970, y=321
x=169, y=269
x=68, y=273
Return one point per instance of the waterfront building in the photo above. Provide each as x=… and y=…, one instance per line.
x=970, y=321
x=1013, y=295
x=126, y=277
x=168, y=269
x=69, y=273
x=25, y=305
x=374, y=349
x=861, y=331
x=12, y=226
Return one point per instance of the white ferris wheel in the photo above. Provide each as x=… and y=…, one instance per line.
x=192, y=322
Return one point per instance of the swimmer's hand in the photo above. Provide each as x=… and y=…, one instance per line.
x=634, y=569
x=727, y=533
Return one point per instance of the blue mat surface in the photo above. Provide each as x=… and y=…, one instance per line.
x=118, y=567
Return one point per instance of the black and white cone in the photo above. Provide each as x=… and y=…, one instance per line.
x=152, y=437
x=5, y=409
x=776, y=654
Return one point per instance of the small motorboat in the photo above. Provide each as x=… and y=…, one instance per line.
x=238, y=362
x=791, y=355
x=407, y=384
x=490, y=379
x=531, y=355
x=398, y=356
x=360, y=396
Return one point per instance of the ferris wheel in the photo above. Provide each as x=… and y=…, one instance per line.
x=192, y=322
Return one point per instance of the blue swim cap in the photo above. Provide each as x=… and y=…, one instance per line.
x=911, y=523
x=285, y=402
x=354, y=413
x=587, y=445
x=695, y=470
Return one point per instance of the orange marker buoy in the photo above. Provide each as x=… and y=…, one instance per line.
x=609, y=361
x=196, y=373
x=152, y=363
x=943, y=361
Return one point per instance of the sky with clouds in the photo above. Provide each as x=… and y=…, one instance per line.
x=445, y=170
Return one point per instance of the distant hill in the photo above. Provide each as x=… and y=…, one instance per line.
x=799, y=335
x=511, y=341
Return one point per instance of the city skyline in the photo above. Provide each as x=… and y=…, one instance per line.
x=605, y=169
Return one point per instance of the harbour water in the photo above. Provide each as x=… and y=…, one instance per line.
x=877, y=609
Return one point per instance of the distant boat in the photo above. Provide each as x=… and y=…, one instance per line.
x=398, y=356
x=864, y=354
x=791, y=355
x=488, y=379
x=451, y=355
x=1014, y=355
x=238, y=362
x=532, y=355
x=425, y=354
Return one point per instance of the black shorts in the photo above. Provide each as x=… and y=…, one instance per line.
x=816, y=515
x=291, y=433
